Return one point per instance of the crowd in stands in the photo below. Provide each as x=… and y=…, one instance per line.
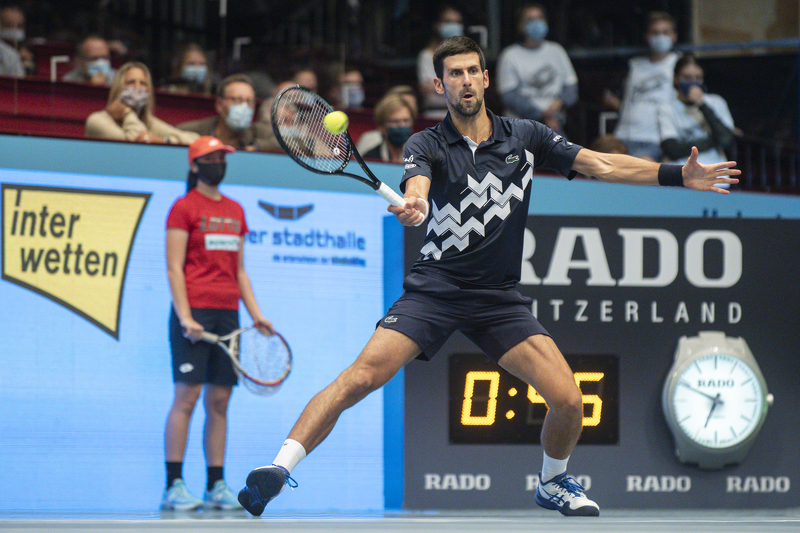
x=664, y=107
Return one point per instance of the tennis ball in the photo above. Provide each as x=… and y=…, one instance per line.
x=336, y=122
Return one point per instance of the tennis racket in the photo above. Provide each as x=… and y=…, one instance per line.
x=263, y=362
x=297, y=115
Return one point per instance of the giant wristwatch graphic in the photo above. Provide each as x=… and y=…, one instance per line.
x=715, y=399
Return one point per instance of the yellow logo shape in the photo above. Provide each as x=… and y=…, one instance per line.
x=72, y=246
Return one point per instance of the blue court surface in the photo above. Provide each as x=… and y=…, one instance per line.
x=531, y=521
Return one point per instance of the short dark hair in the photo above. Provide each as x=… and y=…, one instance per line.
x=686, y=59
x=233, y=78
x=455, y=46
x=658, y=16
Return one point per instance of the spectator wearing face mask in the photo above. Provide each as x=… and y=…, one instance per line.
x=372, y=138
x=129, y=113
x=16, y=59
x=93, y=63
x=351, y=89
x=449, y=23
x=648, y=84
x=233, y=124
x=395, y=117
x=536, y=79
x=694, y=118
x=190, y=72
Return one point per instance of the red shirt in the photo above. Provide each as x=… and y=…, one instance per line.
x=215, y=230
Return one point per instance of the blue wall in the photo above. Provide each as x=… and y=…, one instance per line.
x=82, y=410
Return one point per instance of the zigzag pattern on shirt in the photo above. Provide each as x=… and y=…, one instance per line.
x=489, y=189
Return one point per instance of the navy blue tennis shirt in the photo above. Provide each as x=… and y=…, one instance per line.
x=479, y=197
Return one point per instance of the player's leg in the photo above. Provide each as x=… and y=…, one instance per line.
x=384, y=355
x=538, y=361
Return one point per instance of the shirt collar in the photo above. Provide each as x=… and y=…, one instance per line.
x=452, y=135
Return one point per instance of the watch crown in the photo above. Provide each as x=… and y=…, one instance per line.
x=770, y=399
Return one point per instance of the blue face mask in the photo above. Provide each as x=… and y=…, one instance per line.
x=195, y=73
x=536, y=29
x=99, y=65
x=451, y=29
x=684, y=86
x=352, y=95
x=398, y=135
x=661, y=43
x=240, y=116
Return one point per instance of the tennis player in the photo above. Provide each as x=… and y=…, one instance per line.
x=475, y=170
x=205, y=268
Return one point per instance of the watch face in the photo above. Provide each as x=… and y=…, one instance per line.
x=718, y=401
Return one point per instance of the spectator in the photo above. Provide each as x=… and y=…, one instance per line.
x=609, y=144
x=129, y=113
x=12, y=35
x=306, y=78
x=649, y=83
x=351, y=89
x=233, y=124
x=12, y=31
x=449, y=23
x=395, y=117
x=93, y=63
x=346, y=87
x=372, y=138
x=693, y=117
x=190, y=73
x=536, y=79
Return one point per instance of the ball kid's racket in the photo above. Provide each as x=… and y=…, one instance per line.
x=263, y=362
x=297, y=120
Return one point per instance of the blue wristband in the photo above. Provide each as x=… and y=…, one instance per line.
x=670, y=175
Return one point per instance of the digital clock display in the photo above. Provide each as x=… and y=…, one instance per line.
x=490, y=406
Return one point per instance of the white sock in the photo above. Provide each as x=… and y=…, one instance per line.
x=553, y=467
x=291, y=453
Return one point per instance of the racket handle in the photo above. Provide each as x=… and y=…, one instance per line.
x=390, y=196
x=210, y=337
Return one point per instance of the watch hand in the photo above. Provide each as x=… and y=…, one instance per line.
x=717, y=401
x=698, y=391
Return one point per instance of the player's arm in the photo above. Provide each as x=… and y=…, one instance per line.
x=417, y=207
x=617, y=168
x=177, y=240
x=248, y=298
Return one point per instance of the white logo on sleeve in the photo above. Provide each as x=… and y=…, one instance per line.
x=185, y=368
x=226, y=243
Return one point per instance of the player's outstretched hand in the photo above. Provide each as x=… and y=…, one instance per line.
x=414, y=212
x=703, y=177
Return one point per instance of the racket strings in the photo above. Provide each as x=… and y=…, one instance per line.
x=266, y=361
x=298, y=116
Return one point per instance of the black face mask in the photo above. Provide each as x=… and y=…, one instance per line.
x=211, y=173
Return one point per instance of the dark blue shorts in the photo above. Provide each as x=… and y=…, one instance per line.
x=203, y=362
x=430, y=310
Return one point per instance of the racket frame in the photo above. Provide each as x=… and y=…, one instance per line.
x=230, y=345
x=377, y=185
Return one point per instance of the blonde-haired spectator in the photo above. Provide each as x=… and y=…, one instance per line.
x=395, y=116
x=129, y=113
x=372, y=138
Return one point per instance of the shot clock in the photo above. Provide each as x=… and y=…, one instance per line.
x=490, y=406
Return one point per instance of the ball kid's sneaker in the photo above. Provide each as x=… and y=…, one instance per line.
x=262, y=485
x=178, y=498
x=565, y=495
x=220, y=497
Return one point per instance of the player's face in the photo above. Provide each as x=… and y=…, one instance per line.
x=463, y=83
